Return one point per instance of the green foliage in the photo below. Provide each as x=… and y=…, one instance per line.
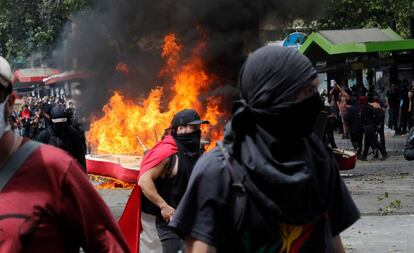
x=391, y=207
x=349, y=14
x=30, y=26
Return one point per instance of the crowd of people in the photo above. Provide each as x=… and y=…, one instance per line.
x=50, y=120
x=360, y=115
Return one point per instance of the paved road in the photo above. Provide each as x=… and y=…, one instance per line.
x=394, y=233
x=383, y=191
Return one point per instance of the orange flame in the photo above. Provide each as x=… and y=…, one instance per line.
x=125, y=122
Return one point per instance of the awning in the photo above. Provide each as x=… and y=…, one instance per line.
x=323, y=44
x=33, y=75
x=66, y=76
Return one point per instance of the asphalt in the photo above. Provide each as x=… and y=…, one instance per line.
x=382, y=190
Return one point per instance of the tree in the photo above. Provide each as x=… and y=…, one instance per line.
x=351, y=14
x=33, y=26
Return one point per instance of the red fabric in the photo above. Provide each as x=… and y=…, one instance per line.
x=130, y=221
x=52, y=205
x=26, y=114
x=113, y=170
x=297, y=245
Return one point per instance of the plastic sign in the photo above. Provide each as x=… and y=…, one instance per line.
x=295, y=40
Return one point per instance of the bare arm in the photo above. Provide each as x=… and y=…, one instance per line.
x=146, y=182
x=337, y=245
x=195, y=246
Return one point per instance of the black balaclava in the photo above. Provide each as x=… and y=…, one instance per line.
x=189, y=142
x=269, y=82
x=59, y=127
x=270, y=137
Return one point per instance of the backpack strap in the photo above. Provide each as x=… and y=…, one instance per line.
x=16, y=161
x=238, y=207
x=243, y=182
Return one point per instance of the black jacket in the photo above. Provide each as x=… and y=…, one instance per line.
x=67, y=139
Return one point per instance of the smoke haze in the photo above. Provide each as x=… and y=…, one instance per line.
x=132, y=31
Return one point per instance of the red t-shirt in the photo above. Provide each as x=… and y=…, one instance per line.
x=49, y=205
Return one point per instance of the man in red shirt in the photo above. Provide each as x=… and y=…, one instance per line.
x=48, y=204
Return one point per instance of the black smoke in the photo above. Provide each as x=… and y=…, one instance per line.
x=131, y=31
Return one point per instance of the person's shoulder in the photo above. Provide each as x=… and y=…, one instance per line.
x=211, y=165
x=51, y=157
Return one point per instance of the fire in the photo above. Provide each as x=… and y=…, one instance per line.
x=110, y=183
x=125, y=122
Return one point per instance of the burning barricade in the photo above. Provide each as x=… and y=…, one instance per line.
x=117, y=151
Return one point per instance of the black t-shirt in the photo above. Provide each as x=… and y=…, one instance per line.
x=204, y=214
x=393, y=99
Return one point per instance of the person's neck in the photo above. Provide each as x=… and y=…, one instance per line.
x=8, y=142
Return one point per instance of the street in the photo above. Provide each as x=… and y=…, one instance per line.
x=382, y=190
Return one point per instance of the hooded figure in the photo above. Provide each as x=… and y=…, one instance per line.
x=62, y=135
x=271, y=181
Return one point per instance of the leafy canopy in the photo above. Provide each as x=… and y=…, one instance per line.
x=350, y=14
x=30, y=26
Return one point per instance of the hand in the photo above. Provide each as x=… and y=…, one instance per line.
x=167, y=212
x=410, y=94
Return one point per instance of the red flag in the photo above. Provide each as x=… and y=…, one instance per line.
x=130, y=221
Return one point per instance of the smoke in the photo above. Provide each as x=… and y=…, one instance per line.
x=131, y=32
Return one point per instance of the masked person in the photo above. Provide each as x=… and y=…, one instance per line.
x=371, y=122
x=164, y=174
x=271, y=185
x=61, y=134
x=46, y=203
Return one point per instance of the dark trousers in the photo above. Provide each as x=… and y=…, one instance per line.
x=381, y=135
x=394, y=114
x=170, y=241
x=403, y=120
x=356, y=140
x=371, y=141
x=328, y=136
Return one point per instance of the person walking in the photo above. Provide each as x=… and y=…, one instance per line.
x=379, y=113
x=270, y=185
x=356, y=129
x=370, y=123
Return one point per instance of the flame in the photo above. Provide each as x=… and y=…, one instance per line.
x=110, y=183
x=125, y=121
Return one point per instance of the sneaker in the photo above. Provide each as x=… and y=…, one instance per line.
x=384, y=156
